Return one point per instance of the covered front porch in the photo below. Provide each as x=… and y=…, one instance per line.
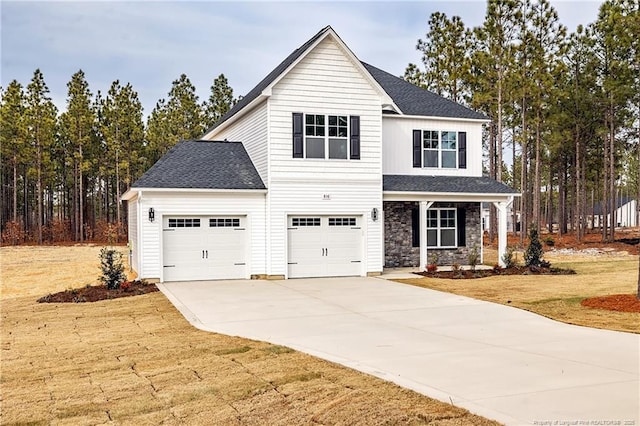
x=437, y=219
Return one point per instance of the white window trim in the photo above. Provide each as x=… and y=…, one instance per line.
x=440, y=150
x=440, y=228
x=326, y=136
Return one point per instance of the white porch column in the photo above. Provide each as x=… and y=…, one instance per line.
x=424, y=206
x=502, y=228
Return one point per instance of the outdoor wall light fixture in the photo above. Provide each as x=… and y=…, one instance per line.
x=374, y=214
x=152, y=215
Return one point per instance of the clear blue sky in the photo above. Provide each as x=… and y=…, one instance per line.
x=150, y=43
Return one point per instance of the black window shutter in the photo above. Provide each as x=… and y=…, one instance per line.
x=298, y=139
x=462, y=150
x=417, y=148
x=462, y=225
x=355, y=137
x=415, y=227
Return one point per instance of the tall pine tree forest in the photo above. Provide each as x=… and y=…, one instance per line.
x=564, y=131
x=564, y=108
x=63, y=173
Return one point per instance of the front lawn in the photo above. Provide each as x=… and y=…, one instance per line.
x=558, y=296
x=136, y=360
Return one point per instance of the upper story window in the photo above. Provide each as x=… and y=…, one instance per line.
x=326, y=136
x=439, y=149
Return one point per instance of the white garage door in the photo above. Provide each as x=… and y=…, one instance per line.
x=324, y=246
x=204, y=247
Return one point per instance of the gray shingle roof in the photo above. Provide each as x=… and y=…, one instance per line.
x=445, y=184
x=413, y=100
x=204, y=165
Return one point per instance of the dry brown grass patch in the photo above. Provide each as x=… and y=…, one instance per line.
x=138, y=361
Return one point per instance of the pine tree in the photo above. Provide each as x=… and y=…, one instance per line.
x=13, y=137
x=40, y=115
x=123, y=134
x=220, y=101
x=179, y=118
x=78, y=126
x=445, y=55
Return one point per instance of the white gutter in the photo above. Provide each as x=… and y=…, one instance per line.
x=429, y=117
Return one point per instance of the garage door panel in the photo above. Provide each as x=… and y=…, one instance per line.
x=214, y=250
x=324, y=246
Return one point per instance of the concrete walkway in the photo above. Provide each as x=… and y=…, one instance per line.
x=502, y=363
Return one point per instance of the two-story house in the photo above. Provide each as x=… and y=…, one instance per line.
x=328, y=167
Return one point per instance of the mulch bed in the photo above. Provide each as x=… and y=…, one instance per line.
x=99, y=292
x=483, y=273
x=614, y=302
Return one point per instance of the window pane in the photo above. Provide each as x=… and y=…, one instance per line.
x=308, y=119
x=333, y=131
x=430, y=158
x=319, y=130
x=432, y=218
x=315, y=147
x=342, y=132
x=333, y=120
x=309, y=131
x=449, y=159
x=342, y=120
x=432, y=238
x=320, y=120
x=338, y=148
x=449, y=140
x=448, y=238
x=430, y=139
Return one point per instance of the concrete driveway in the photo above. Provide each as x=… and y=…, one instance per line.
x=503, y=363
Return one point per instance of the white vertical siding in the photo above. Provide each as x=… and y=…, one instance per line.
x=132, y=215
x=201, y=203
x=325, y=81
x=251, y=130
x=397, y=146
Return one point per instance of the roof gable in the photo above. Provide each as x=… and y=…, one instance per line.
x=203, y=165
x=400, y=95
x=263, y=88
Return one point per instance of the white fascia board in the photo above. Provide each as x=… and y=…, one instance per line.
x=244, y=111
x=203, y=190
x=386, y=99
x=130, y=194
x=429, y=117
x=444, y=197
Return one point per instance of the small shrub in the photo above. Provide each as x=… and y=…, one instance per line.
x=549, y=241
x=456, y=267
x=433, y=258
x=508, y=257
x=126, y=285
x=112, y=268
x=432, y=267
x=474, y=258
x=497, y=268
x=533, y=254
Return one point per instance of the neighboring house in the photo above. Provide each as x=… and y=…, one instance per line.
x=486, y=215
x=626, y=213
x=333, y=167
